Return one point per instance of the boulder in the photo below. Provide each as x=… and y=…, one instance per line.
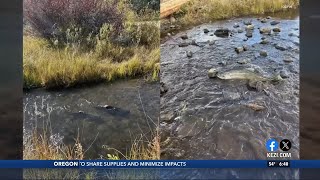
x=212, y=73
x=276, y=29
x=265, y=30
x=239, y=49
x=247, y=22
x=236, y=25
x=273, y=23
x=263, y=53
x=189, y=54
x=250, y=27
x=222, y=32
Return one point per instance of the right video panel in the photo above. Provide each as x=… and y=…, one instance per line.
x=230, y=79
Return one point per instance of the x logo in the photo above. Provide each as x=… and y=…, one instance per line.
x=285, y=145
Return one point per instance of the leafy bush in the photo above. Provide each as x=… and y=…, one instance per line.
x=72, y=21
x=140, y=5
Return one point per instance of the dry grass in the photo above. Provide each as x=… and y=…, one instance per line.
x=47, y=67
x=198, y=11
x=39, y=146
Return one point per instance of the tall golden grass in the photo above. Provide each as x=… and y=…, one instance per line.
x=44, y=66
x=197, y=11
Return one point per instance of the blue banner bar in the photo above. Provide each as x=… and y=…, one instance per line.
x=83, y=164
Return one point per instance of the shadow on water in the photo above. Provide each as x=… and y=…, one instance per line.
x=104, y=115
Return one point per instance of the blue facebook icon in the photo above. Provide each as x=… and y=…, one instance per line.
x=272, y=145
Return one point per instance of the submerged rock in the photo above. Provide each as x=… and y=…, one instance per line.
x=247, y=22
x=163, y=89
x=206, y=30
x=265, y=30
x=240, y=30
x=255, y=107
x=273, y=23
x=168, y=117
x=189, y=54
x=264, y=41
x=284, y=74
x=239, y=49
x=212, y=73
x=222, y=63
x=263, y=53
x=244, y=61
x=245, y=47
x=184, y=37
x=236, y=25
x=183, y=44
x=194, y=43
x=211, y=43
x=276, y=29
x=263, y=20
x=249, y=34
x=288, y=60
x=280, y=47
x=222, y=32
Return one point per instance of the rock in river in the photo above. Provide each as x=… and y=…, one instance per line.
x=276, y=29
x=263, y=53
x=206, y=30
x=236, y=25
x=222, y=32
x=163, y=89
x=264, y=41
x=244, y=61
x=273, y=23
x=183, y=44
x=280, y=47
x=287, y=60
x=239, y=49
x=265, y=30
x=184, y=36
x=212, y=73
x=284, y=74
x=245, y=47
x=168, y=117
x=250, y=27
x=189, y=54
x=255, y=107
x=248, y=22
x=249, y=34
x=264, y=20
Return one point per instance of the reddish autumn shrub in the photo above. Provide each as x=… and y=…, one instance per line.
x=72, y=20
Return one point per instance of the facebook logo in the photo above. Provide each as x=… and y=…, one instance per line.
x=272, y=145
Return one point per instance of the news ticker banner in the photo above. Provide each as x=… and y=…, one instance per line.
x=109, y=164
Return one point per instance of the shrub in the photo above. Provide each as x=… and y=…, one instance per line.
x=72, y=21
x=140, y=5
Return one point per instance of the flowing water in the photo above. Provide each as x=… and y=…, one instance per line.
x=209, y=118
x=133, y=108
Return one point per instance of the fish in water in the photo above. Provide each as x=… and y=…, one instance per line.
x=81, y=115
x=113, y=111
x=245, y=74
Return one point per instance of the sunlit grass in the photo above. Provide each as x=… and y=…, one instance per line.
x=197, y=11
x=45, y=66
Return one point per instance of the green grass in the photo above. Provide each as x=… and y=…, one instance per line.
x=45, y=66
x=197, y=11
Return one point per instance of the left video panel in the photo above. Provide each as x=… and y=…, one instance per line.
x=90, y=70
